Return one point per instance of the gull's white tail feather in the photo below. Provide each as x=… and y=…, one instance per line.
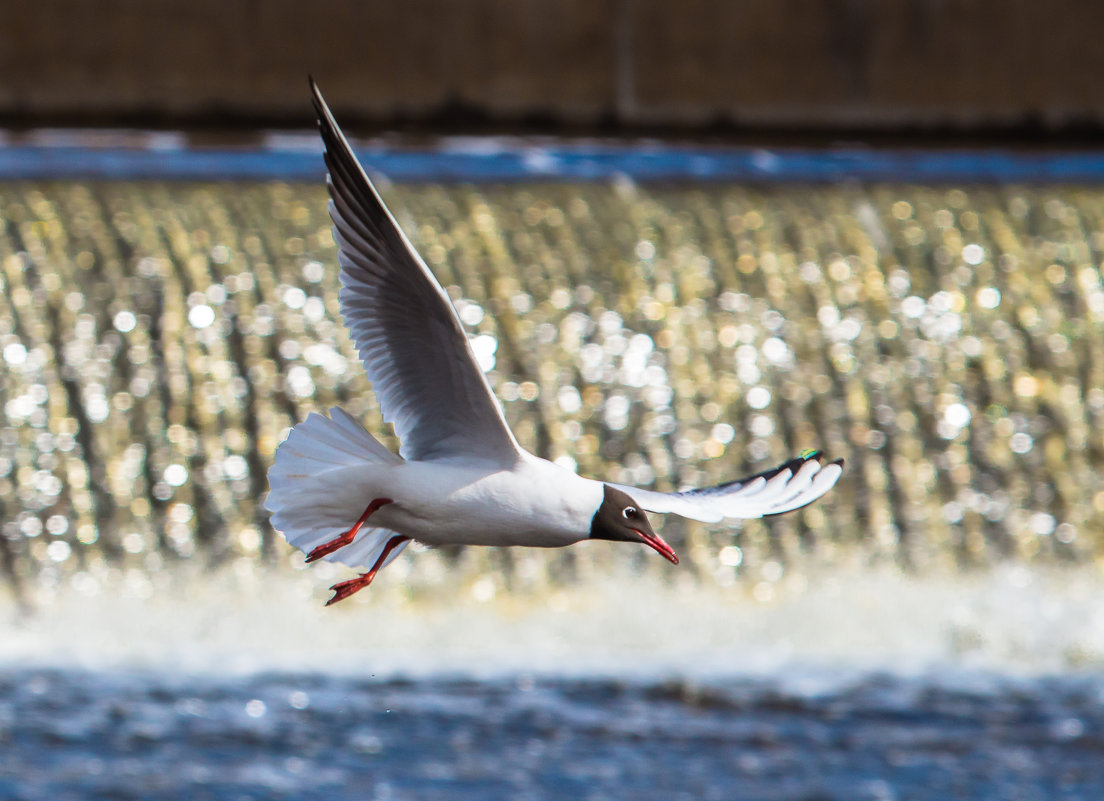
x=321, y=482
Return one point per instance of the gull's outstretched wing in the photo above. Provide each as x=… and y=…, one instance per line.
x=405, y=328
x=781, y=489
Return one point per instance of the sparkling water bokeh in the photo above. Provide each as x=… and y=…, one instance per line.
x=159, y=339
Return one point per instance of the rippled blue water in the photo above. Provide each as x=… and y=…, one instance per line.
x=493, y=159
x=87, y=735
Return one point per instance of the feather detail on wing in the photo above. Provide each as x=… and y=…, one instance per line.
x=781, y=489
x=406, y=331
x=318, y=484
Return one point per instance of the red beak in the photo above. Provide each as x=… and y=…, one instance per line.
x=656, y=542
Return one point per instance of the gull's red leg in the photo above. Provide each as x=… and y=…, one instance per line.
x=350, y=535
x=347, y=588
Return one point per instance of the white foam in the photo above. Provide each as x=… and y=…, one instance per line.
x=106, y=138
x=1013, y=620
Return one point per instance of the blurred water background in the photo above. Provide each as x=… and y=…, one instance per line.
x=934, y=628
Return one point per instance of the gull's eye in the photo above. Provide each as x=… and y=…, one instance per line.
x=628, y=512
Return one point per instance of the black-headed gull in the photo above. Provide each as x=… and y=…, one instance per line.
x=338, y=494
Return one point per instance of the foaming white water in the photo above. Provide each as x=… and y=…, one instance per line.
x=1012, y=620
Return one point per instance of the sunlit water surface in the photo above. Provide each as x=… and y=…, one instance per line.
x=850, y=685
x=932, y=629
x=158, y=339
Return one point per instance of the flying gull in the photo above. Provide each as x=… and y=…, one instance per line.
x=460, y=476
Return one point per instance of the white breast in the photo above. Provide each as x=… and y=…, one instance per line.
x=536, y=504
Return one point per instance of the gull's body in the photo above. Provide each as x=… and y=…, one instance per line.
x=537, y=503
x=461, y=477
x=534, y=502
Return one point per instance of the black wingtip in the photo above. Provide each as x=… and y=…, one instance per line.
x=320, y=107
x=793, y=465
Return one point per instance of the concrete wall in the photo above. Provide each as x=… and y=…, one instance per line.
x=801, y=63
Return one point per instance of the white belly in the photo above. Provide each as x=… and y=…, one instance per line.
x=536, y=504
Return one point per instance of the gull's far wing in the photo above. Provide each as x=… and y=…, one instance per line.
x=781, y=489
x=405, y=329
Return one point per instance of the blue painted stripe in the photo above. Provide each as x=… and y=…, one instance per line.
x=566, y=162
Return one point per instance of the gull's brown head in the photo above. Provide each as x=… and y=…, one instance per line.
x=621, y=519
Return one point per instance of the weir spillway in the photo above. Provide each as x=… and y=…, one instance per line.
x=158, y=339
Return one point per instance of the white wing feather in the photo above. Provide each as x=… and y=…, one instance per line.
x=782, y=489
x=406, y=331
x=318, y=484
